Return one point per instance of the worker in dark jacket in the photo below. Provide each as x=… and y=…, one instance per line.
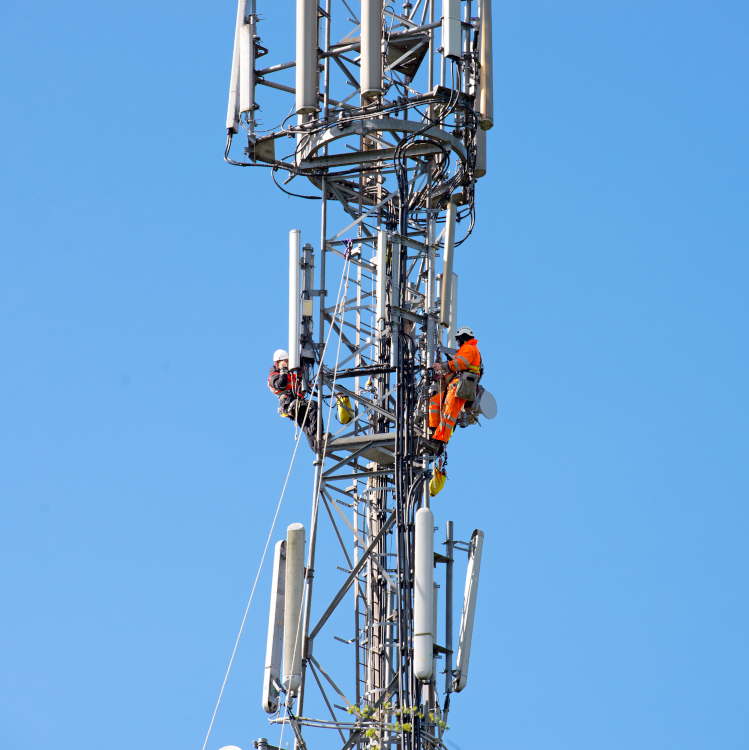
x=289, y=388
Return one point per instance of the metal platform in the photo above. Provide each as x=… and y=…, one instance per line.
x=378, y=448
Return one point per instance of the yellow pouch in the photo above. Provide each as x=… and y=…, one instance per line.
x=344, y=409
x=437, y=482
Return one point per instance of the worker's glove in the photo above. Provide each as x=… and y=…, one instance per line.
x=437, y=366
x=284, y=371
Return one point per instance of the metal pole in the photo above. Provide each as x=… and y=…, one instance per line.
x=323, y=253
x=306, y=643
x=324, y=186
x=430, y=74
x=449, y=608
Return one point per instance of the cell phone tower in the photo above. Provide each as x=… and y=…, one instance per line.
x=386, y=126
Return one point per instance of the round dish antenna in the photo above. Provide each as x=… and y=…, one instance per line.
x=488, y=405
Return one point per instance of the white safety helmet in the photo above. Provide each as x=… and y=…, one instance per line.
x=465, y=331
x=280, y=354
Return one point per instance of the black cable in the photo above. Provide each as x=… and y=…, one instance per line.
x=238, y=163
x=296, y=195
x=417, y=200
x=470, y=228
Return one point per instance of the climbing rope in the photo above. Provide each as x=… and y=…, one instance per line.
x=340, y=308
x=344, y=274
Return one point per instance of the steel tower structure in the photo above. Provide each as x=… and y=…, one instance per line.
x=388, y=130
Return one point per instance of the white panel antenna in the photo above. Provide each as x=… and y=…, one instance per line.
x=306, y=57
x=423, y=593
x=447, y=267
x=451, y=29
x=435, y=624
x=292, y=621
x=274, y=646
x=246, y=69
x=469, y=610
x=370, y=76
x=453, y=329
x=232, y=114
x=395, y=265
x=382, y=246
x=295, y=250
x=486, y=86
x=480, y=152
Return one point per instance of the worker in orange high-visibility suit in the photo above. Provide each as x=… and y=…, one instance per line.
x=445, y=406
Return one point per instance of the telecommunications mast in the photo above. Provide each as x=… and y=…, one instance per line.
x=386, y=126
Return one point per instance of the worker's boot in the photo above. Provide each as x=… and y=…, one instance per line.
x=432, y=446
x=327, y=439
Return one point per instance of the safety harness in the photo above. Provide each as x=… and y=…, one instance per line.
x=288, y=395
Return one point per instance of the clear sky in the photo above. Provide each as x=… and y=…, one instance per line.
x=143, y=291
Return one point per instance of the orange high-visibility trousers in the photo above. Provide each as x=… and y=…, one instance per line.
x=443, y=412
x=435, y=409
x=444, y=407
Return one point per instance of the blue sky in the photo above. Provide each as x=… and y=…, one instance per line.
x=142, y=292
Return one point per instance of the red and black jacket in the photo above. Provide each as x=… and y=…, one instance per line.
x=286, y=385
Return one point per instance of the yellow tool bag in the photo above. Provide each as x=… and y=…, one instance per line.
x=437, y=482
x=345, y=411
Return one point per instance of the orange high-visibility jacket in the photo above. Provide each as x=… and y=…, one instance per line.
x=445, y=407
x=467, y=358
